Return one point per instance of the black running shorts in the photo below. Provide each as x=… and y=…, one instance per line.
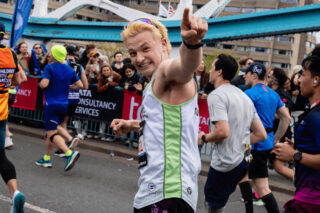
x=258, y=168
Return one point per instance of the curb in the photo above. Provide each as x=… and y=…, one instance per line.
x=130, y=153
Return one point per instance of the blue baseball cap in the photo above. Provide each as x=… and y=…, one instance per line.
x=258, y=68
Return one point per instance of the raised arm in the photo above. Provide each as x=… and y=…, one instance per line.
x=181, y=69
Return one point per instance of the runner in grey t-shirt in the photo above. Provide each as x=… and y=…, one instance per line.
x=232, y=117
x=229, y=103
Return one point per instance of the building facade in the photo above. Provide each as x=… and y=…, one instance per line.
x=283, y=51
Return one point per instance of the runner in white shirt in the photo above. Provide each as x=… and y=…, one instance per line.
x=169, y=159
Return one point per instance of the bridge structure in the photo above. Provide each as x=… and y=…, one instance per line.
x=211, y=9
x=268, y=23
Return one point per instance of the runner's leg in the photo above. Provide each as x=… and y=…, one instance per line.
x=246, y=192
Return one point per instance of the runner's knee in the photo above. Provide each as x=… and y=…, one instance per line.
x=52, y=136
x=7, y=169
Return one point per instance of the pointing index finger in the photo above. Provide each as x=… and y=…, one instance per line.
x=185, y=18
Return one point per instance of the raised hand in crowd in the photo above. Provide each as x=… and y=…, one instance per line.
x=91, y=73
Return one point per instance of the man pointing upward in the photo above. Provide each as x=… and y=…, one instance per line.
x=169, y=160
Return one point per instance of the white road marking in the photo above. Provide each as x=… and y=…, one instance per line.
x=27, y=205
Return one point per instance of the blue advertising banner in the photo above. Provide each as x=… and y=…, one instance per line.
x=19, y=19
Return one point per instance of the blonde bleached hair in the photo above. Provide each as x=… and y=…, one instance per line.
x=135, y=28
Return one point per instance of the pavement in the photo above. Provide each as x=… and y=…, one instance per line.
x=97, y=183
x=276, y=182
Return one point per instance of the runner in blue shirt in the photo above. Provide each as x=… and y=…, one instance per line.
x=306, y=150
x=56, y=80
x=73, y=99
x=267, y=103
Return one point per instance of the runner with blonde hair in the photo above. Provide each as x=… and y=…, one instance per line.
x=169, y=160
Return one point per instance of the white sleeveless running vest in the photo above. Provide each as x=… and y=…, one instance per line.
x=170, y=138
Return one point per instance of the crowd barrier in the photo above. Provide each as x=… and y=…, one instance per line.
x=94, y=109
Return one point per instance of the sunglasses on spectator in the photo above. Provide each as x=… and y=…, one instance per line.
x=37, y=48
x=96, y=56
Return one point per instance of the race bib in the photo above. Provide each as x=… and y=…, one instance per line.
x=247, y=154
x=142, y=154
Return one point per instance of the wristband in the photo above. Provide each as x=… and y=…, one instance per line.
x=203, y=138
x=193, y=47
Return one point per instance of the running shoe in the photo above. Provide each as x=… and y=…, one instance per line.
x=75, y=141
x=127, y=142
x=109, y=139
x=44, y=163
x=80, y=136
x=60, y=153
x=135, y=145
x=8, y=142
x=17, y=203
x=257, y=201
x=71, y=160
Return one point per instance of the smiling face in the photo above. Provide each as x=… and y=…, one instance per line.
x=106, y=72
x=128, y=72
x=145, y=52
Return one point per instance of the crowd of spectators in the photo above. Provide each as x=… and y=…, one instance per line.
x=118, y=72
x=102, y=72
x=92, y=61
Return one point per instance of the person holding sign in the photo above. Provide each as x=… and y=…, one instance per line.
x=169, y=160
